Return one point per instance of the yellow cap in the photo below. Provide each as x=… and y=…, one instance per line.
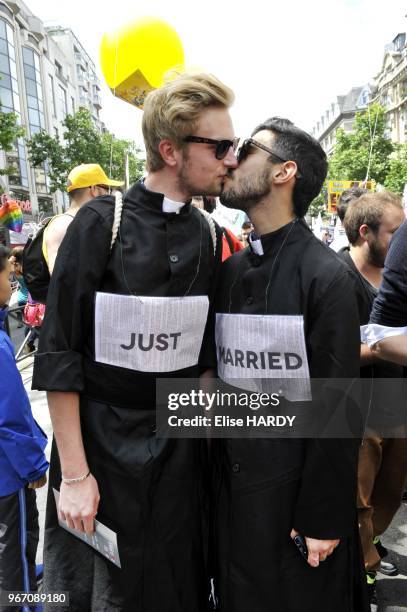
x=86, y=175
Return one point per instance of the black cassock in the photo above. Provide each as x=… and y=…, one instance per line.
x=152, y=491
x=264, y=488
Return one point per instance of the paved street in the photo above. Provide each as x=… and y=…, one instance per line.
x=392, y=591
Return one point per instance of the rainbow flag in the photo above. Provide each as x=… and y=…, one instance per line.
x=11, y=216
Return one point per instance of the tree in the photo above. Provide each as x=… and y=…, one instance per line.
x=83, y=144
x=10, y=130
x=45, y=148
x=397, y=175
x=350, y=159
x=114, y=152
x=318, y=204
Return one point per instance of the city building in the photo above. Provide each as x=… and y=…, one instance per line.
x=45, y=73
x=84, y=78
x=340, y=114
x=391, y=84
x=388, y=88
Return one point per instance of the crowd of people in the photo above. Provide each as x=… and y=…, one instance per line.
x=275, y=523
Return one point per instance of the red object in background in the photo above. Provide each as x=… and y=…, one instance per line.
x=230, y=244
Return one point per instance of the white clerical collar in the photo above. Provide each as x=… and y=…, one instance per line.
x=171, y=206
x=255, y=243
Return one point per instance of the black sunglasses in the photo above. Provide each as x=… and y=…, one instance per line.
x=221, y=146
x=243, y=152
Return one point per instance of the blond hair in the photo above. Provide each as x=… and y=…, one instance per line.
x=173, y=111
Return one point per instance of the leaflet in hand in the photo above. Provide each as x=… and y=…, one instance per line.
x=103, y=539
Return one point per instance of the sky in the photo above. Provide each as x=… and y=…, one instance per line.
x=281, y=58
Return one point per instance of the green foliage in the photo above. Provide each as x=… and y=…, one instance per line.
x=318, y=204
x=10, y=130
x=83, y=144
x=397, y=175
x=45, y=148
x=114, y=152
x=350, y=158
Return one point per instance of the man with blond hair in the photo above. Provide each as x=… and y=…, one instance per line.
x=116, y=320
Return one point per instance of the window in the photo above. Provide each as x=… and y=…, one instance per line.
x=40, y=180
x=10, y=100
x=62, y=106
x=33, y=88
x=51, y=86
x=6, y=10
x=45, y=206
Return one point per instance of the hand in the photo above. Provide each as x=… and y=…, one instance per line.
x=318, y=550
x=78, y=504
x=37, y=484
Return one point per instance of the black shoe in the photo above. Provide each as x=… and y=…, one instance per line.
x=388, y=568
x=381, y=550
x=371, y=588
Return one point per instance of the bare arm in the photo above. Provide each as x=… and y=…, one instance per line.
x=78, y=502
x=392, y=349
x=367, y=355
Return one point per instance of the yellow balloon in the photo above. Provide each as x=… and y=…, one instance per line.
x=136, y=57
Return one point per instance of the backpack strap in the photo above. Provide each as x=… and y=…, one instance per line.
x=118, y=207
x=212, y=227
x=228, y=240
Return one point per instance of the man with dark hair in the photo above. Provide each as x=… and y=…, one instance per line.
x=270, y=491
x=346, y=197
x=246, y=229
x=370, y=223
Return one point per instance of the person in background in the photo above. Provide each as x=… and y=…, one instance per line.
x=85, y=182
x=326, y=238
x=247, y=227
x=346, y=197
x=23, y=464
x=22, y=291
x=370, y=223
x=230, y=243
x=23, y=298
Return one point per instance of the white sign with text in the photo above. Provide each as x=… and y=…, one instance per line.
x=149, y=334
x=264, y=352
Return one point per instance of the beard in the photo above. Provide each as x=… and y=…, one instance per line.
x=248, y=191
x=377, y=254
x=189, y=186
